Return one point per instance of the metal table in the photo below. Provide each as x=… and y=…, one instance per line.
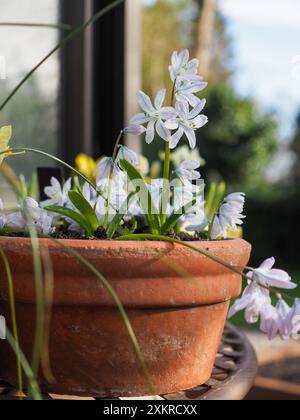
x=232, y=378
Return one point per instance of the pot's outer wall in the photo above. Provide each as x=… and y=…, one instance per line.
x=144, y=274
x=176, y=300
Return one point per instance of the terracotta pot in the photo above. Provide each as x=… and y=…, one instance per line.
x=176, y=300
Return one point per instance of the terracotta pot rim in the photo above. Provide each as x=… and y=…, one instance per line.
x=114, y=241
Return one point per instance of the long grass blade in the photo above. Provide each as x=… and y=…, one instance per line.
x=60, y=26
x=33, y=385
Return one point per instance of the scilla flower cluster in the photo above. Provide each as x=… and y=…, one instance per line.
x=121, y=199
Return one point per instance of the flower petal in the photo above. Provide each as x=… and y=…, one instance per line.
x=191, y=136
x=175, y=138
x=168, y=113
x=145, y=102
x=159, y=99
x=139, y=119
x=162, y=131
x=198, y=108
x=150, y=133
x=200, y=121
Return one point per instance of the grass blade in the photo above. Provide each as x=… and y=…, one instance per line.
x=33, y=385
x=60, y=26
x=85, y=209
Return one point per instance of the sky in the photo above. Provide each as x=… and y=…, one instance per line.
x=266, y=47
x=266, y=35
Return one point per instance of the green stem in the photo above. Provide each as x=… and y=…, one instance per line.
x=111, y=173
x=39, y=290
x=61, y=44
x=166, y=174
x=48, y=155
x=61, y=26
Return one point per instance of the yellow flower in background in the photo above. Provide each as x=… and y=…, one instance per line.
x=5, y=136
x=236, y=234
x=86, y=165
x=144, y=166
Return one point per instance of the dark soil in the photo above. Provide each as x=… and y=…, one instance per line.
x=100, y=235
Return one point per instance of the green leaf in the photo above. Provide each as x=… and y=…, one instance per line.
x=85, y=209
x=176, y=215
x=73, y=215
x=134, y=174
x=115, y=223
x=210, y=199
x=218, y=198
x=33, y=187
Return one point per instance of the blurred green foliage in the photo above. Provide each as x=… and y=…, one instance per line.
x=296, y=149
x=239, y=141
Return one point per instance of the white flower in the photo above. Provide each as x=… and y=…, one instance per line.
x=186, y=123
x=266, y=276
x=195, y=219
x=184, y=74
x=183, y=70
x=230, y=215
x=2, y=215
x=183, y=153
x=2, y=328
x=270, y=321
x=292, y=323
x=284, y=310
x=252, y=301
x=185, y=92
x=187, y=171
x=154, y=116
x=276, y=320
x=129, y=155
x=16, y=220
x=40, y=217
x=103, y=169
x=58, y=194
x=134, y=129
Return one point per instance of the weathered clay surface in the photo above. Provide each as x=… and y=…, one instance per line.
x=176, y=300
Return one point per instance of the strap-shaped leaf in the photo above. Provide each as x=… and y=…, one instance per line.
x=73, y=215
x=144, y=195
x=113, y=226
x=176, y=215
x=85, y=209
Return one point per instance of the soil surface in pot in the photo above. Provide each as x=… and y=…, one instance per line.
x=101, y=235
